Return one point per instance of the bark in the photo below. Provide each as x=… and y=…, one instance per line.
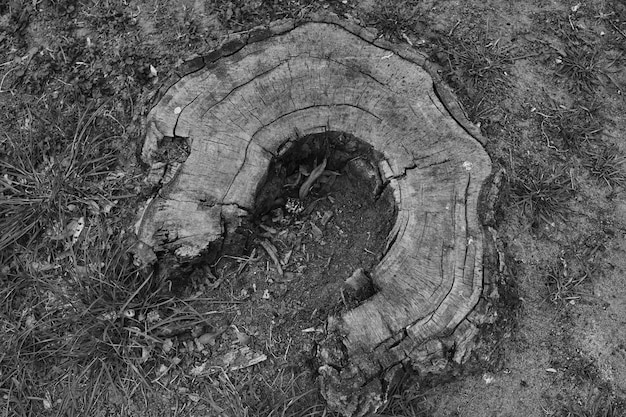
x=243, y=105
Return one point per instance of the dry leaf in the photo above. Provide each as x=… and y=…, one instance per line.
x=209, y=338
x=286, y=257
x=198, y=370
x=47, y=402
x=75, y=228
x=317, y=232
x=162, y=370
x=326, y=218
x=167, y=345
x=242, y=337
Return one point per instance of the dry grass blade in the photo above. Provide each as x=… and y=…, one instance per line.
x=565, y=287
x=289, y=394
x=408, y=398
x=223, y=397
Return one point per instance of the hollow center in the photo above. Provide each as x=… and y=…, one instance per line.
x=322, y=213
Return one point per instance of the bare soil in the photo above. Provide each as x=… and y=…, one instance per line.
x=287, y=265
x=545, y=82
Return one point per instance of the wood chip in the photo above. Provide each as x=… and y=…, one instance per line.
x=268, y=229
x=326, y=217
x=286, y=258
x=209, y=338
x=317, y=232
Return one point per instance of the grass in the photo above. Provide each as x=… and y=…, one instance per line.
x=42, y=186
x=76, y=333
x=571, y=128
x=565, y=286
x=293, y=395
x=606, y=163
x=596, y=404
x=279, y=394
x=483, y=64
x=82, y=331
x=581, y=68
x=408, y=399
x=542, y=193
x=73, y=344
x=479, y=72
x=393, y=19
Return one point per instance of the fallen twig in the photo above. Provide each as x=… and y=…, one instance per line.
x=315, y=174
x=454, y=27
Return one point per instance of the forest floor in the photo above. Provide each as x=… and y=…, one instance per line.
x=83, y=332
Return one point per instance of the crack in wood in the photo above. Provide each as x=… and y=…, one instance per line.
x=181, y=113
x=240, y=86
x=333, y=77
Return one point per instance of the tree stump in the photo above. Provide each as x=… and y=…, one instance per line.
x=217, y=127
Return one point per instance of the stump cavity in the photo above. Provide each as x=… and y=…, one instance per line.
x=268, y=122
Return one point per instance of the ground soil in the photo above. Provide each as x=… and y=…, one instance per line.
x=338, y=228
x=562, y=344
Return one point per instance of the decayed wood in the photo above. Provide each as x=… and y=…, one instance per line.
x=240, y=107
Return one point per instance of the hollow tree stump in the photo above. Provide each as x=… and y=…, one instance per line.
x=238, y=108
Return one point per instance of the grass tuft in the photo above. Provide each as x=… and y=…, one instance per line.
x=479, y=72
x=581, y=68
x=40, y=186
x=606, y=163
x=81, y=328
x=573, y=128
x=393, y=19
x=88, y=341
x=483, y=64
x=543, y=194
x=597, y=404
x=408, y=399
x=289, y=394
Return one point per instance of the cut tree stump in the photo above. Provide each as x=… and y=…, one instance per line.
x=218, y=125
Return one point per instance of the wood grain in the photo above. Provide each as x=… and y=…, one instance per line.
x=243, y=105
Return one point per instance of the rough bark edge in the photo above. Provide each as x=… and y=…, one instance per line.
x=160, y=173
x=439, y=356
x=438, y=353
x=234, y=43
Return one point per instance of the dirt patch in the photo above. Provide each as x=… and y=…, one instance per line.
x=545, y=81
x=320, y=223
x=320, y=230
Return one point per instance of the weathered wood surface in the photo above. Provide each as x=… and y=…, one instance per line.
x=240, y=107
